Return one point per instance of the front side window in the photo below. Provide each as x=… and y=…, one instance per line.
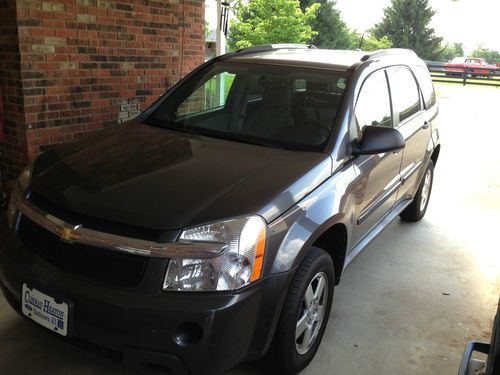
x=278, y=106
x=473, y=61
x=373, y=107
x=404, y=92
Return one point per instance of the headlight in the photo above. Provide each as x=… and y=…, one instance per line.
x=20, y=188
x=239, y=264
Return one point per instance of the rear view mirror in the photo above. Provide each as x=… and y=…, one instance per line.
x=378, y=139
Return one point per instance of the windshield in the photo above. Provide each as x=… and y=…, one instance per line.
x=276, y=106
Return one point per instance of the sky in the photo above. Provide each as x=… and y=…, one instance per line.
x=471, y=22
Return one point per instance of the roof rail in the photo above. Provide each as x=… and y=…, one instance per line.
x=388, y=52
x=266, y=48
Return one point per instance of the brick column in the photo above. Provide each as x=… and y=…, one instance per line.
x=70, y=67
x=14, y=147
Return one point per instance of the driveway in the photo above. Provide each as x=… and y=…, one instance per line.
x=408, y=304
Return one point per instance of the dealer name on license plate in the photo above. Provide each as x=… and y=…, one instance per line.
x=44, y=310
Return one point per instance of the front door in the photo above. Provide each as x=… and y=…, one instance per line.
x=379, y=174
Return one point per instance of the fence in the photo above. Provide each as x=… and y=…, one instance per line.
x=465, y=76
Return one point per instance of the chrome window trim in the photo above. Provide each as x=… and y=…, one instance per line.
x=181, y=249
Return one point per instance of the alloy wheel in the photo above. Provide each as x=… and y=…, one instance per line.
x=312, y=313
x=426, y=190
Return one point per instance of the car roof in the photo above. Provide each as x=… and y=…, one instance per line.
x=311, y=57
x=336, y=59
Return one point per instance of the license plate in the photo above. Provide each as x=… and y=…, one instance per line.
x=44, y=310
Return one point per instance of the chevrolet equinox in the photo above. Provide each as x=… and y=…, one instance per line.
x=213, y=228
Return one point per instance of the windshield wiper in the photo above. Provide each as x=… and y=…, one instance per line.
x=212, y=133
x=170, y=125
x=237, y=137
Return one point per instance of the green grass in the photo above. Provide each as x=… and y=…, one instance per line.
x=211, y=89
x=228, y=82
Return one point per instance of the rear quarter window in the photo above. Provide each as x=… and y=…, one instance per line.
x=425, y=82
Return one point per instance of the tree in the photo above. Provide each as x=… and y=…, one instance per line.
x=332, y=31
x=271, y=21
x=406, y=24
x=487, y=54
x=207, y=30
x=449, y=51
x=367, y=42
x=372, y=44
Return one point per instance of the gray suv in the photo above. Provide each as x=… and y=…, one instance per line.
x=214, y=227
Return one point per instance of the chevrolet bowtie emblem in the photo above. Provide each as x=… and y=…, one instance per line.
x=68, y=233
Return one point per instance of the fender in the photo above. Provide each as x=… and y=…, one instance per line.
x=331, y=203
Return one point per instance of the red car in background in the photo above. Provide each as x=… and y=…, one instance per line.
x=471, y=66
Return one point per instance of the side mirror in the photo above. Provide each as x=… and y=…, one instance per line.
x=378, y=139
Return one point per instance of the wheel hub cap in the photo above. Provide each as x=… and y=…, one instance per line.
x=426, y=190
x=311, y=313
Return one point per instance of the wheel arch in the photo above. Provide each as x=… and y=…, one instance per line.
x=435, y=154
x=334, y=241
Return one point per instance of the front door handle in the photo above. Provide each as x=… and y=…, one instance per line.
x=426, y=125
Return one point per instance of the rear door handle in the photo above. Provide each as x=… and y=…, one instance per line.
x=426, y=125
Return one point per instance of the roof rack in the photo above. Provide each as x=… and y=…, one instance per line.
x=266, y=48
x=388, y=52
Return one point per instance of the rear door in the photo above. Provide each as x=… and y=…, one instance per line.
x=411, y=120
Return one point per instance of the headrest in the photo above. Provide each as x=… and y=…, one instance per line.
x=317, y=86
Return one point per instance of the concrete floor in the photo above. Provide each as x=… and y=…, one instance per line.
x=408, y=304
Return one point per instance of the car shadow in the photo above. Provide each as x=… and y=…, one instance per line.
x=264, y=366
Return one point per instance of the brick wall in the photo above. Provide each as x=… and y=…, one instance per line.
x=88, y=64
x=14, y=150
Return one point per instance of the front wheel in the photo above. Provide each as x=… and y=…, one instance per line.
x=305, y=313
x=416, y=210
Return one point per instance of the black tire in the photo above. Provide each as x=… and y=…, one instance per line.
x=416, y=210
x=315, y=266
x=493, y=363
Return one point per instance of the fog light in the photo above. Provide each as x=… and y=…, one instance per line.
x=188, y=333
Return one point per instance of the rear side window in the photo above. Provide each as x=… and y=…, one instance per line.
x=404, y=92
x=373, y=107
x=426, y=86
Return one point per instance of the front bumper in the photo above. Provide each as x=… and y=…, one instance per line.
x=191, y=333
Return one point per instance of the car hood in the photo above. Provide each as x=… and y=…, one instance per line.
x=145, y=176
